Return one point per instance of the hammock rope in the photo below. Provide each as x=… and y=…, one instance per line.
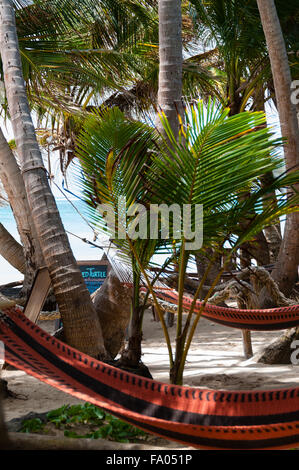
x=199, y=418
x=270, y=319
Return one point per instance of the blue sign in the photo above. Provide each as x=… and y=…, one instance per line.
x=94, y=275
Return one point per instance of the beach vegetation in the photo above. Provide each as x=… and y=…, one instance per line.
x=217, y=163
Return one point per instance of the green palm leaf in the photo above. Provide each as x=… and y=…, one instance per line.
x=217, y=165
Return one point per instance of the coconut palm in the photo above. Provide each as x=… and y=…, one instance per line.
x=77, y=310
x=233, y=32
x=286, y=268
x=222, y=158
x=79, y=44
x=234, y=28
x=211, y=153
x=61, y=68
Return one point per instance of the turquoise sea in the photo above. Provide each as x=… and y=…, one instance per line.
x=72, y=221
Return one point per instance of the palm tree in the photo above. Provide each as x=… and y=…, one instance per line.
x=222, y=157
x=82, y=327
x=235, y=29
x=53, y=55
x=66, y=71
x=286, y=268
x=59, y=64
x=223, y=205
x=116, y=54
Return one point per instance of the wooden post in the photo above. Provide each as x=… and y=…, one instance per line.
x=155, y=314
x=169, y=319
x=247, y=344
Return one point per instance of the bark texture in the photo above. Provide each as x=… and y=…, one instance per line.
x=170, y=63
x=280, y=351
x=286, y=268
x=11, y=250
x=81, y=324
x=113, y=306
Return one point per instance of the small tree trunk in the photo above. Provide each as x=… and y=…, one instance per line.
x=202, y=263
x=131, y=357
x=259, y=250
x=274, y=239
x=112, y=302
x=11, y=250
x=247, y=345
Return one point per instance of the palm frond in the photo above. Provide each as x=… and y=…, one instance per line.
x=219, y=167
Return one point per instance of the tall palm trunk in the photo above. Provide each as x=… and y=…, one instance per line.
x=11, y=250
x=13, y=184
x=272, y=233
x=170, y=62
x=81, y=325
x=286, y=268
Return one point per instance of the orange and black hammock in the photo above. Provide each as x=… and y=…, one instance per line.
x=205, y=419
x=270, y=319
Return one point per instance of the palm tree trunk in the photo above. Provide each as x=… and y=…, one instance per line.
x=171, y=63
x=11, y=250
x=272, y=233
x=286, y=268
x=13, y=184
x=81, y=325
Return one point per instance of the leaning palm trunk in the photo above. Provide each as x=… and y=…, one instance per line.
x=11, y=250
x=286, y=268
x=81, y=325
x=12, y=181
x=170, y=63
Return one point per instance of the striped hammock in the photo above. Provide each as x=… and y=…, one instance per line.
x=270, y=319
x=199, y=418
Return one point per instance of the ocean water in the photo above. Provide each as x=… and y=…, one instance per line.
x=72, y=222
